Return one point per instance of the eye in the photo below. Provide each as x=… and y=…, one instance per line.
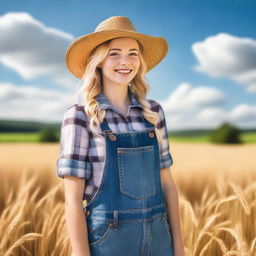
x=115, y=53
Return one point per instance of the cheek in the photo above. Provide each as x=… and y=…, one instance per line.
x=107, y=67
x=136, y=64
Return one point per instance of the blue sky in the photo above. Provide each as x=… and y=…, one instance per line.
x=208, y=76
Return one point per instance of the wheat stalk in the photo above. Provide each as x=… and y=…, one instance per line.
x=241, y=198
x=236, y=236
x=45, y=197
x=26, y=237
x=253, y=246
x=191, y=212
x=205, y=247
x=225, y=200
x=203, y=231
x=250, y=187
x=13, y=227
x=222, y=224
x=232, y=253
x=26, y=250
x=221, y=244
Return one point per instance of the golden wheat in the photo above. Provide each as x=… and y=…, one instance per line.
x=23, y=239
x=253, y=247
x=190, y=211
x=221, y=244
x=241, y=198
x=217, y=209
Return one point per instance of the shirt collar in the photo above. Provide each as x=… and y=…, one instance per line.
x=106, y=104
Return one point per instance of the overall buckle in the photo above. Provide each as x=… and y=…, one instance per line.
x=111, y=135
x=151, y=132
x=115, y=224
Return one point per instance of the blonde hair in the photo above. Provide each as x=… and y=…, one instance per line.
x=92, y=86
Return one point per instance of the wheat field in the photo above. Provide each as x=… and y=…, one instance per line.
x=216, y=186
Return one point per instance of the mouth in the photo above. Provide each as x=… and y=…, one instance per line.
x=123, y=71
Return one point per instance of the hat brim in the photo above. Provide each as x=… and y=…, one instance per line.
x=154, y=48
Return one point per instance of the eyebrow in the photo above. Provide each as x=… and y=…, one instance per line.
x=117, y=49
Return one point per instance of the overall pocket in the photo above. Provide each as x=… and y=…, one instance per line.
x=97, y=231
x=136, y=171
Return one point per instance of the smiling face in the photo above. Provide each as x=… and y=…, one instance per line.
x=122, y=62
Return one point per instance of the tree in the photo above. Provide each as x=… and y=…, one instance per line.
x=226, y=133
x=48, y=134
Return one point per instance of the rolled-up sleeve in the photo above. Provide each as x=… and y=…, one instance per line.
x=166, y=159
x=74, y=143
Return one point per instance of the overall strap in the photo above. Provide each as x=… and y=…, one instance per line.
x=104, y=126
x=149, y=126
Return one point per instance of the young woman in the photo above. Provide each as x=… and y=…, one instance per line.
x=115, y=150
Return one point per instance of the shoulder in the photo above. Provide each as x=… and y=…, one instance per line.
x=155, y=105
x=75, y=112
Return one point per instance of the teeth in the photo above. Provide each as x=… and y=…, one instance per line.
x=123, y=71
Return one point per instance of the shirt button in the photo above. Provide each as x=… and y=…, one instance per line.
x=88, y=212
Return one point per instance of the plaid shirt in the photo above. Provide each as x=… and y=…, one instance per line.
x=83, y=150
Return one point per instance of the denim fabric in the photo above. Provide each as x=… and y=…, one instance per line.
x=128, y=215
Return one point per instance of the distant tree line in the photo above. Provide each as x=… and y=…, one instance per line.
x=226, y=133
x=48, y=134
x=25, y=126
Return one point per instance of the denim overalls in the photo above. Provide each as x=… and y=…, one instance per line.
x=127, y=215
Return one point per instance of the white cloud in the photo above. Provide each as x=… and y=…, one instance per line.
x=227, y=56
x=187, y=107
x=204, y=107
x=186, y=98
x=244, y=112
x=33, y=103
x=32, y=49
x=209, y=114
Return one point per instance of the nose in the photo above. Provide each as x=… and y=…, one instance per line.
x=124, y=60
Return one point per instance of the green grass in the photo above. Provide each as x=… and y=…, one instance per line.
x=249, y=137
x=191, y=138
x=19, y=137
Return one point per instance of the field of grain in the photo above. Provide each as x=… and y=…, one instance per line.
x=216, y=185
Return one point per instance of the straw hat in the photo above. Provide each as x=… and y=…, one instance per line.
x=154, y=48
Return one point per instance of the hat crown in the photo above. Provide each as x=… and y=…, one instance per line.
x=116, y=22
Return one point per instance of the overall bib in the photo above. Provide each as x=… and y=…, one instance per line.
x=128, y=215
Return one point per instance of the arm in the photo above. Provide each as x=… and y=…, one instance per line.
x=75, y=169
x=167, y=182
x=171, y=196
x=75, y=218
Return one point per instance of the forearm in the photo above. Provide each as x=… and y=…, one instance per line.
x=77, y=229
x=172, y=201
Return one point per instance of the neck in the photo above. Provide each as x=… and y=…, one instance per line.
x=118, y=96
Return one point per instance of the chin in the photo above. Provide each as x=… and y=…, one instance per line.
x=123, y=81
